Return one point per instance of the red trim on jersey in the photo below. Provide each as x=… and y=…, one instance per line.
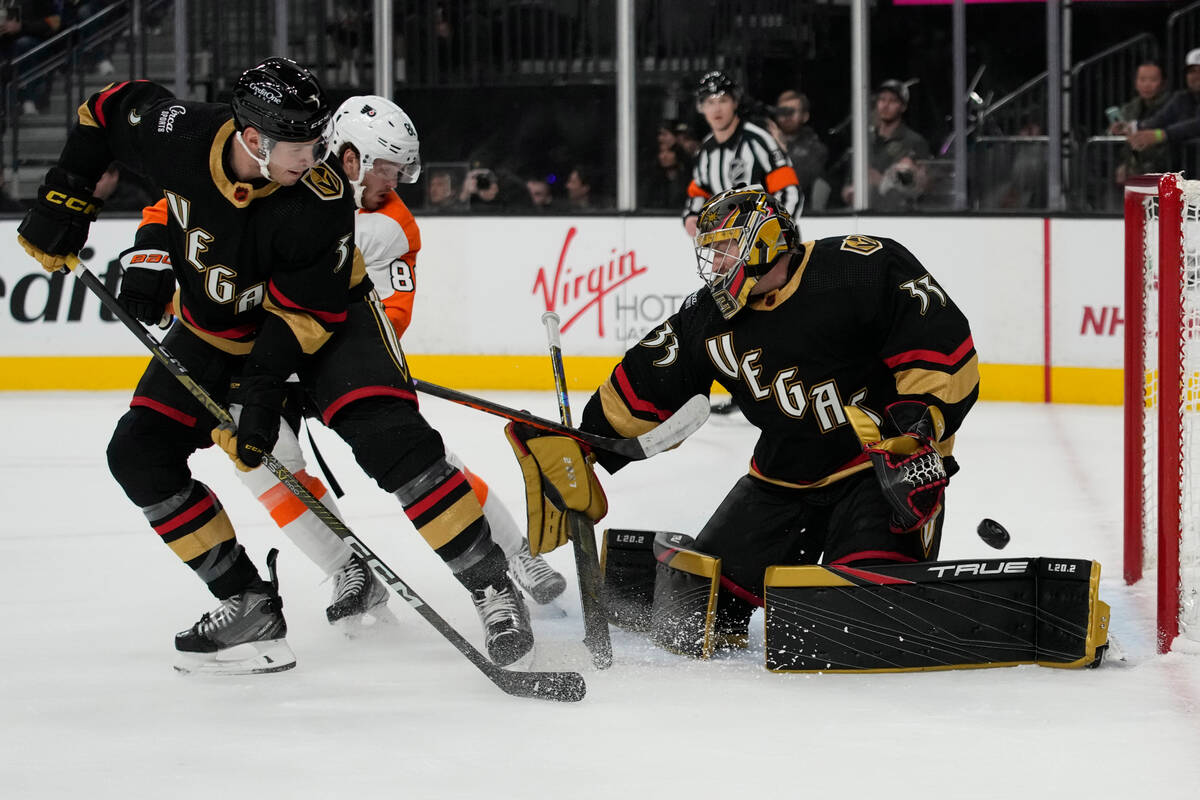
x=239, y=332
x=326, y=317
x=186, y=516
x=635, y=402
x=931, y=355
x=426, y=502
x=104, y=96
x=365, y=391
x=873, y=577
x=165, y=410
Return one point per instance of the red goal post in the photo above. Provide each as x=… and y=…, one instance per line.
x=1162, y=397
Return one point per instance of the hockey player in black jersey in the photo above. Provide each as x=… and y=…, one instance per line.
x=853, y=363
x=261, y=245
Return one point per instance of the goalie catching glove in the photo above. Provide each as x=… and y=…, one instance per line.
x=910, y=470
x=558, y=478
x=57, y=224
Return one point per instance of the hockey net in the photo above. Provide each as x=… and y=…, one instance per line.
x=1162, y=399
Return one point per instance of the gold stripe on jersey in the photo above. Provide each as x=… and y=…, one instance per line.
x=199, y=542
x=456, y=519
x=949, y=388
x=358, y=268
x=86, y=118
x=828, y=479
x=387, y=332
x=241, y=194
x=774, y=299
x=308, y=332
x=618, y=415
x=224, y=345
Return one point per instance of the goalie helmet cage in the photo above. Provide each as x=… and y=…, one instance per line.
x=1162, y=396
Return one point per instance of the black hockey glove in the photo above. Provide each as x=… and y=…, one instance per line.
x=909, y=468
x=558, y=478
x=56, y=226
x=261, y=398
x=147, y=285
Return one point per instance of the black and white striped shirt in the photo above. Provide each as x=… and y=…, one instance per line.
x=751, y=155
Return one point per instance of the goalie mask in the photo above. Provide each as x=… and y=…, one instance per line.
x=383, y=136
x=283, y=102
x=740, y=235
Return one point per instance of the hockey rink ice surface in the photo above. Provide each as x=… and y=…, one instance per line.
x=89, y=603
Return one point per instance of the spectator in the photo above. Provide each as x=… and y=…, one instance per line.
x=1025, y=187
x=737, y=152
x=665, y=134
x=27, y=24
x=486, y=190
x=541, y=195
x=895, y=174
x=80, y=12
x=1177, y=121
x=667, y=183
x=582, y=194
x=1150, y=97
x=789, y=125
x=686, y=138
x=442, y=194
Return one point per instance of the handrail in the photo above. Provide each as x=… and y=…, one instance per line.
x=1111, y=51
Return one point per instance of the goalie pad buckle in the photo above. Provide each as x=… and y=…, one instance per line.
x=935, y=615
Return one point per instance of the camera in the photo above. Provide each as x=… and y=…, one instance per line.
x=905, y=176
x=483, y=181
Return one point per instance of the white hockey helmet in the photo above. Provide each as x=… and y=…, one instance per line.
x=378, y=130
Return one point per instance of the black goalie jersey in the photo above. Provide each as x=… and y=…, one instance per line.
x=859, y=322
x=240, y=250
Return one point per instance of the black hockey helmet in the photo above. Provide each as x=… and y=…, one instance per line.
x=282, y=100
x=716, y=82
x=740, y=234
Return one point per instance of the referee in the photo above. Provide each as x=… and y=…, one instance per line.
x=736, y=152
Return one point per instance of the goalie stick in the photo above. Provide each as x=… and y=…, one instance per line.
x=562, y=686
x=580, y=529
x=670, y=432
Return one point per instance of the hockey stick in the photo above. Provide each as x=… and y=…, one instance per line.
x=670, y=432
x=563, y=686
x=581, y=531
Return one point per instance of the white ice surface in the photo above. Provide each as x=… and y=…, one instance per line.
x=89, y=601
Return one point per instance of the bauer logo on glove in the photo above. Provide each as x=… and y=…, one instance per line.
x=558, y=479
x=909, y=467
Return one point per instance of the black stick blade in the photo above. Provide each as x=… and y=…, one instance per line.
x=565, y=687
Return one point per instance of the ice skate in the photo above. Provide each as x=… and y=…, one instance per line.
x=505, y=618
x=536, y=578
x=359, y=599
x=242, y=636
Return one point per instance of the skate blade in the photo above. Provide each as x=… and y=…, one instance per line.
x=251, y=658
x=368, y=623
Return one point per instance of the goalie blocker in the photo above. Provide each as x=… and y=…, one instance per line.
x=933, y=615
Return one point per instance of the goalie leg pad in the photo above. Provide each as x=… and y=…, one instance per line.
x=935, y=615
x=683, y=614
x=627, y=561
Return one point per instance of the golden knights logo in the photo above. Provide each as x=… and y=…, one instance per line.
x=324, y=181
x=863, y=245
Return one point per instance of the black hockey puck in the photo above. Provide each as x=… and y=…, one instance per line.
x=993, y=533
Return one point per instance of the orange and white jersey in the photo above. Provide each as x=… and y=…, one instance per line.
x=389, y=239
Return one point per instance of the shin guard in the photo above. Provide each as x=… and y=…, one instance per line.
x=935, y=615
x=627, y=562
x=683, y=614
